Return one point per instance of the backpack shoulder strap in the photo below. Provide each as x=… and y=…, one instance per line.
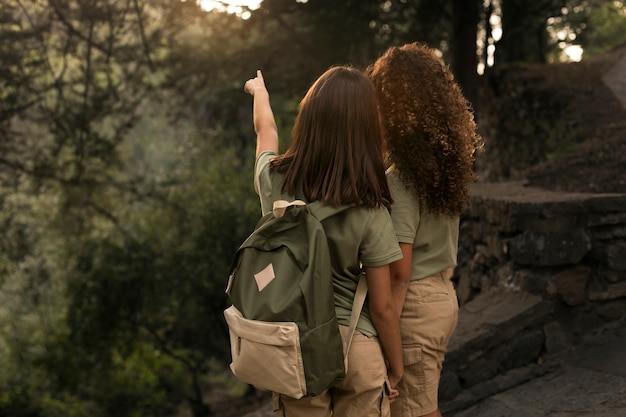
x=280, y=206
x=357, y=306
x=284, y=200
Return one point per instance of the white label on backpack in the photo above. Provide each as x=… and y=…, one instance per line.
x=264, y=277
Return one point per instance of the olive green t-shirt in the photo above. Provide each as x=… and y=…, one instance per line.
x=434, y=239
x=356, y=236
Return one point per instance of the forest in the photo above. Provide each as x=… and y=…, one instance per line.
x=126, y=157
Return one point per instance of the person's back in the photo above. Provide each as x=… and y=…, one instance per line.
x=430, y=139
x=355, y=237
x=434, y=237
x=335, y=157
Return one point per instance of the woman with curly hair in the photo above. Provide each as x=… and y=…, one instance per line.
x=430, y=141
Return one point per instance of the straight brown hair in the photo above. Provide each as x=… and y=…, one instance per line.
x=335, y=154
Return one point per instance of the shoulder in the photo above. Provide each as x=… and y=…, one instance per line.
x=263, y=180
x=264, y=159
x=379, y=245
x=400, y=192
x=396, y=185
x=369, y=218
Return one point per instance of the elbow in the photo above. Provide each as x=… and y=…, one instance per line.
x=383, y=313
x=266, y=129
x=400, y=274
x=400, y=279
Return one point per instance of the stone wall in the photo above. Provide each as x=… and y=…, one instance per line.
x=537, y=270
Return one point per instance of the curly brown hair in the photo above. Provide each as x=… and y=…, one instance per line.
x=429, y=128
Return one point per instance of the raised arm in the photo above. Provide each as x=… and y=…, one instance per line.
x=263, y=117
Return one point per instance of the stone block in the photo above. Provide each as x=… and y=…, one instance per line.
x=464, y=257
x=467, y=237
x=605, y=204
x=613, y=276
x=495, y=247
x=521, y=350
x=544, y=249
x=613, y=310
x=532, y=281
x=616, y=256
x=609, y=292
x=556, y=338
x=449, y=386
x=507, y=380
x=464, y=290
x=503, y=277
x=571, y=285
x=493, y=317
x=548, y=217
x=481, y=257
x=607, y=218
x=607, y=233
x=477, y=371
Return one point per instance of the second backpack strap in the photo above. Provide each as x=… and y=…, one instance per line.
x=357, y=306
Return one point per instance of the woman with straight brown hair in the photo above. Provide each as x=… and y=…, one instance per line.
x=335, y=157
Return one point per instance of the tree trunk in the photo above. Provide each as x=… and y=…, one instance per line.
x=465, y=15
x=524, y=33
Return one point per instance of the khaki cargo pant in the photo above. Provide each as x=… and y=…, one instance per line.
x=429, y=317
x=361, y=394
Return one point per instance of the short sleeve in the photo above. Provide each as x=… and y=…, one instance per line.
x=263, y=180
x=379, y=246
x=405, y=212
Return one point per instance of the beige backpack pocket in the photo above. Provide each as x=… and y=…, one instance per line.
x=266, y=354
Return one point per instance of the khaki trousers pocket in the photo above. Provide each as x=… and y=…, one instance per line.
x=266, y=354
x=414, y=379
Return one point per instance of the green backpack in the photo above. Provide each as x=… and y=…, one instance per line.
x=284, y=334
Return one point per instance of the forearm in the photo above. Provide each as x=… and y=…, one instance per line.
x=262, y=115
x=388, y=328
x=384, y=316
x=264, y=123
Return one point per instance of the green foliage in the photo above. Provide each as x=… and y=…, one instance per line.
x=596, y=26
x=119, y=226
x=161, y=282
x=605, y=29
x=144, y=383
x=32, y=403
x=31, y=305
